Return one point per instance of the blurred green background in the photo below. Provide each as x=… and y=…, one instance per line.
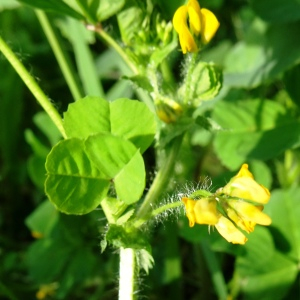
x=49, y=255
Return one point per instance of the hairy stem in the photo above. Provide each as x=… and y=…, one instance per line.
x=159, y=184
x=127, y=274
x=32, y=86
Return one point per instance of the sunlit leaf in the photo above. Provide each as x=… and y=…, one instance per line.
x=253, y=129
x=134, y=121
x=74, y=185
x=123, y=117
x=120, y=161
x=266, y=52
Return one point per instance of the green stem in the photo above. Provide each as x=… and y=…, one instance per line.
x=127, y=274
x=32, y=86
x=168, y=75
x=60, y=54
x=111, y=42
x=159, y=184
x=165, y=207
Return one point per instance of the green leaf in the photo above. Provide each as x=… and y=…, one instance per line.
x=145, y=260
x=284, y=209
x=8, y=4
x=290, y=77
x=123, y=117
x=36, y=170
x=266, y=52
x=47, y=127
x=120, y=161
x=261, y=173
x=41, y=256
x=253, y=129
x=134, y=121
x=56, y=6
x=265, y=272
x=80, y=39
x=108, y=8
x=94, y=111
x=43, y=219
x=80, y=267
x=36, y=145
x=130, y=22
x=277, y=11
x=74, y=185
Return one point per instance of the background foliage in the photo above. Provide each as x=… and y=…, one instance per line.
x=254, y=119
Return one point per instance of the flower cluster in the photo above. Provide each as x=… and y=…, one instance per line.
x=235, y=207
x=194, y=25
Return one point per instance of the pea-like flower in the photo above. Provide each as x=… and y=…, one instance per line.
x=194, y=25
x=233, y=208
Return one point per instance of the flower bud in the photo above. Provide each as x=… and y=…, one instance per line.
x=168, y=112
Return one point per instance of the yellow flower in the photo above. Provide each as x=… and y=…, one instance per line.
x=244, y=186
x=229, y=232
x=203, y=211
x=190, y=21
x=227, y=213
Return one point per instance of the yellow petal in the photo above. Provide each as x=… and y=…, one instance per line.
x=194, y=16
x=248, y=226
x=189, y=208
x=227, y=229
x=250, y=212
x=247, y=188
x=187, y=41
x=244, y=172
x=180, y=18
x=206, y=212
x=210, y=25
x=244, y=186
